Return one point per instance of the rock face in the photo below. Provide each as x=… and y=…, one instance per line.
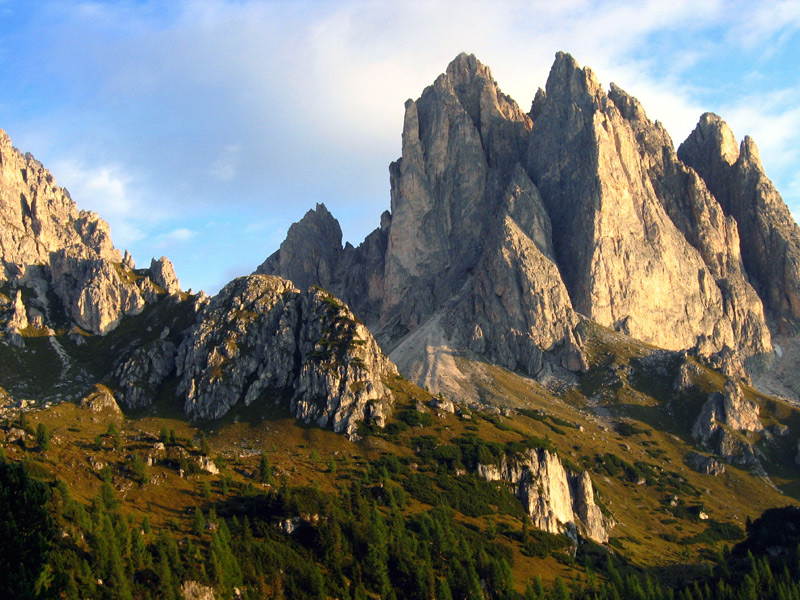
x=701, y=220
x=311, y=252
x=37, y=217
x=555, y=499
x=724, y=417
x=48, y=245
x=261, y=339
x=624, y=262
x=770, y=237
x=95, y=292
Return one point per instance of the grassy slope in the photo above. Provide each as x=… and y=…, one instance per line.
x=581, y=421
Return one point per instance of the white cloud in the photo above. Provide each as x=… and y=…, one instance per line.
x=106, y=191
x=182, y=234
x=227, y=162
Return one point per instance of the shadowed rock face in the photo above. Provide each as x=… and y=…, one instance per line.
x=770, y=237
x=311, y=252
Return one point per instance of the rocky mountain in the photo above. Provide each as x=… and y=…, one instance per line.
x=506, y=229
x=589, y=317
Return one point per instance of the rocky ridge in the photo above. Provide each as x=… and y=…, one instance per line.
x=770, y=237
x=48, y=245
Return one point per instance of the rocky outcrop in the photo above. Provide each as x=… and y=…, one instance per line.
x=142, y=373
x=19, y=317
x=770, y=237
x=101, y=400
x=162, y=273
x=624, y=262
x=192, y=590
x=48, y=245
x=95, y=292
x=556, y=500
x=261, y=339
x=722, y=421
x=708, y=465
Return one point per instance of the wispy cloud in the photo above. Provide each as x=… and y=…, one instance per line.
x=224, y=168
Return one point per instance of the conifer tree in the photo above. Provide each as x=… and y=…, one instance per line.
x=264, y=470
x=42, y=437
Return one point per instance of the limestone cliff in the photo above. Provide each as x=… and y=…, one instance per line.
x=37, y=217
x=624, y=262
x=48, y=245
x=555, y=499
x=699, y=217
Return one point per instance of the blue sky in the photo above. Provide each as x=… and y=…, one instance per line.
x=201, y=130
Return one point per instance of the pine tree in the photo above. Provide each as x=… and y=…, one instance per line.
x=264, y=470
x=42, y=437
x=443, y=590
x=26, y=531
x=199, y=522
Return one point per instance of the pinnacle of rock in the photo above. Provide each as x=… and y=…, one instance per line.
x=162, y=274
x=770, y=239
x=311, y=252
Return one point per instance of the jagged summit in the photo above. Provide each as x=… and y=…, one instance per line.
x=311, y=252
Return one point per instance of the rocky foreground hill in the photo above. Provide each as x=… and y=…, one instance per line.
x=595, y=322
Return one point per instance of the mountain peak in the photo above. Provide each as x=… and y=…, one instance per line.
x=711, y=136
x=310, y=252
x=569, y=81
x=465, y=67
